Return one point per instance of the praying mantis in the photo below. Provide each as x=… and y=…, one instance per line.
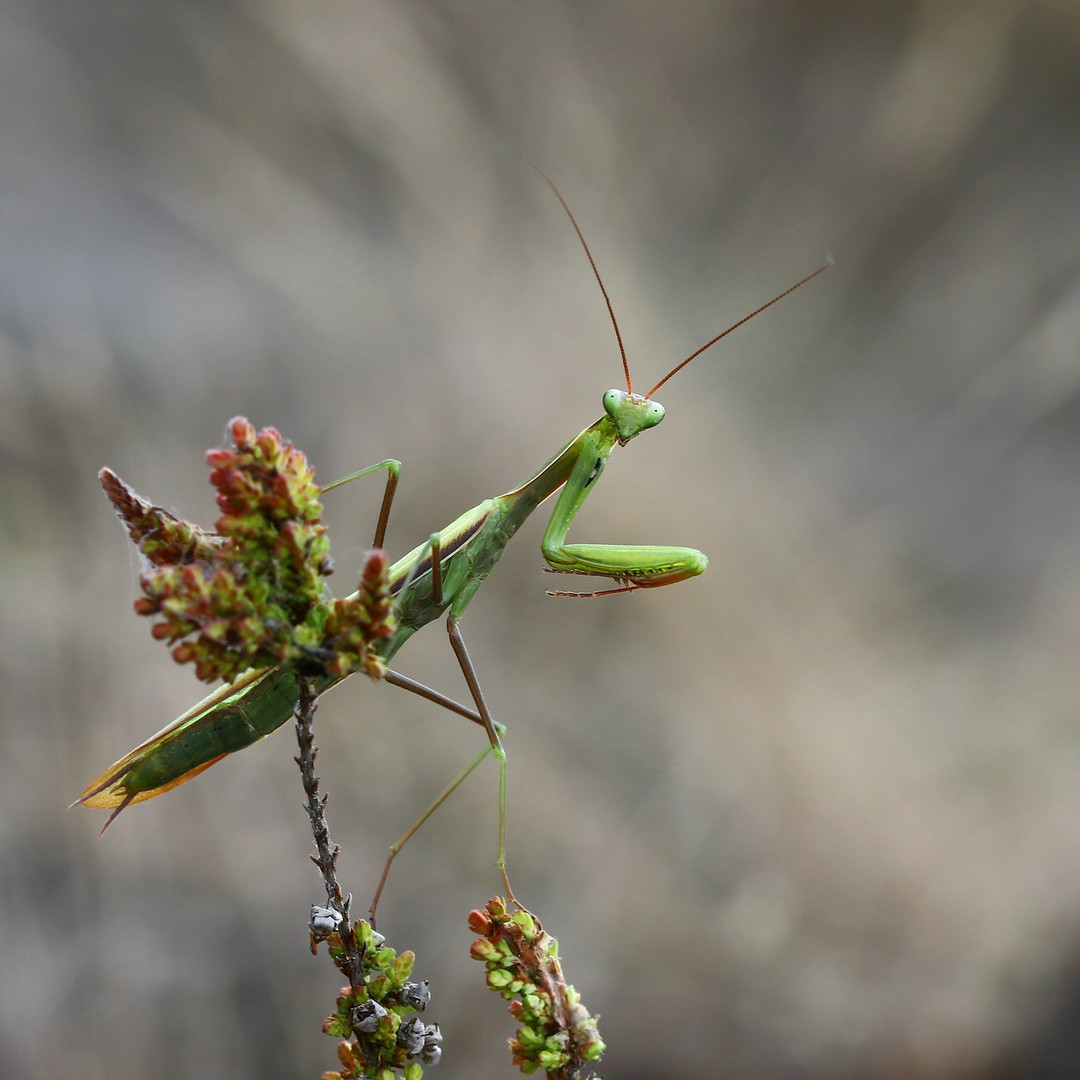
x=439, y=576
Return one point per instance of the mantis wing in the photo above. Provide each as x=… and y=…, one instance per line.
x=193, y=742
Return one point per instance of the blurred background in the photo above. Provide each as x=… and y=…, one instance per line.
x=813, y=815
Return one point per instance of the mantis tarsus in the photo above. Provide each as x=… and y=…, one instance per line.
x=440, y=575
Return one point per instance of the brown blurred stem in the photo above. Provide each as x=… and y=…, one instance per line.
x=326, y=860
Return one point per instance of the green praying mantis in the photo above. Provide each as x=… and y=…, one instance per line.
x=440, y=575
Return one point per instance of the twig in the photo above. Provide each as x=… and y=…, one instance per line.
x=326, y=860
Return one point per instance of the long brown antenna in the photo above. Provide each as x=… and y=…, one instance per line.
x=735, y=326
x=596, y=273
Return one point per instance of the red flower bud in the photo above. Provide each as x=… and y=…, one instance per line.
x=479, y=923
x=242, y=432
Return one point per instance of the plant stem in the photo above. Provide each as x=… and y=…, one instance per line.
x=326, y=860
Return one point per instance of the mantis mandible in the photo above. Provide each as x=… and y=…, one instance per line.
x=440, y=575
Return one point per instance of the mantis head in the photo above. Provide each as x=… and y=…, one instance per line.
x=631, y=413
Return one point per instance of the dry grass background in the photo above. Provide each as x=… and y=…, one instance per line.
x=815, y=815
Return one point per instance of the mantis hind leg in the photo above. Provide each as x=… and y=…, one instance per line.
x=457, y=643
x=481, y=716
x=395, y=848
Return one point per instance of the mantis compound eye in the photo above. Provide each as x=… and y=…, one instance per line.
x=613, y=400
x=654, y=413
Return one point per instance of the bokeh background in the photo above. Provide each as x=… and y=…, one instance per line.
x=814, y=815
